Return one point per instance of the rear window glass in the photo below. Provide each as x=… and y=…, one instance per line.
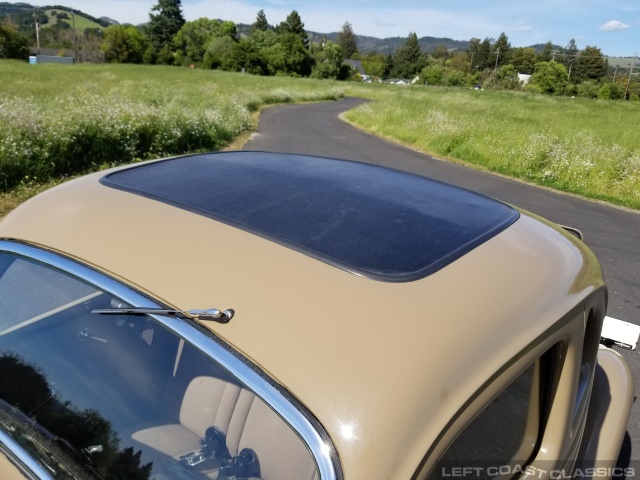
x=93, y=396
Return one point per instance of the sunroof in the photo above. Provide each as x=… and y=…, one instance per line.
x=369, y=220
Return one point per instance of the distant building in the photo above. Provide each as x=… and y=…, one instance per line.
x=524, y=78
x=357, y=66
x=398, y=81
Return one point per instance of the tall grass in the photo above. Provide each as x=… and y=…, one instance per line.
x=582, y=146
x=59, y=120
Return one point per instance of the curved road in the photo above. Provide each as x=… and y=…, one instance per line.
x=612, y=233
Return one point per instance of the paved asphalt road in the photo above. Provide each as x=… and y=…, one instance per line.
x=612, y=233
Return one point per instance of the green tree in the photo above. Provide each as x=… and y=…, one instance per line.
x=194, y=37
x=252, y=53
x=501, y=51
x=433, y=75
x=293, y=24
x=165, y=24
x=298, y=60
x=124, y=44
x=550, y=78
x=456, y=78
x=547, y=53
x=459, y=62
x=503, y=78
x=587, y=89
x=328, y=62
x=440, y=52
x=375, y=64
x=483, y=58
x=261, y=23
x=524, y=60
x=12, y=43
x=589, y=65
x=408, y=59
x=221, y=53
x=569, y=54
x=348, y=41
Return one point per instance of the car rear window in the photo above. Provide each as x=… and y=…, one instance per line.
x=369, y=220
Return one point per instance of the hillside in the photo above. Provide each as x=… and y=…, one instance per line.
x=383, y=46
x=23, y=12
x=65, y=16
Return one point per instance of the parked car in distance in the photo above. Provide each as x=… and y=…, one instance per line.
x=258, y=315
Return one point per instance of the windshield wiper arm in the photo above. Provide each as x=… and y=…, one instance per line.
x=213, y=314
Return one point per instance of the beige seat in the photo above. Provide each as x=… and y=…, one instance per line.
x=247, y=422
x=207, y=401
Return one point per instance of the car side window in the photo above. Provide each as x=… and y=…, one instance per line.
x=94, y=396
x=503, y=436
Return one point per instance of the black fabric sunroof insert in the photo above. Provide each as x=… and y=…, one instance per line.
x=369, y=220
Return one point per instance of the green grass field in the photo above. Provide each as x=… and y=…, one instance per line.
x=587, y=147
x=57, y=121
x=62, y=120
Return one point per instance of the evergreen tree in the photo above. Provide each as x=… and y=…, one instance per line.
x=547, y=54
x=348, y=41
x=483, y=59
x=165, y=24
x=589, y=65
x=293, y=24
x=261, y=23
x=570, y=52
x=501, y=51
x=408, y=60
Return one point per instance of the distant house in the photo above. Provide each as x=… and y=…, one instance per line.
x=358, y=67
x=398, y=81
x=524, y=78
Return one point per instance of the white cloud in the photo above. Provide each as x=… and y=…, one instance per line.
x=614, y=26
x=525, y=29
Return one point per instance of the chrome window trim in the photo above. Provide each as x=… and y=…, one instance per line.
x=19, y=457
x=321, y=448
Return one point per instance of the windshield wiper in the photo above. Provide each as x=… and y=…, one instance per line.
x=213, y=314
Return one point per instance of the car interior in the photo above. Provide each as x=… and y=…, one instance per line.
x=124, y=393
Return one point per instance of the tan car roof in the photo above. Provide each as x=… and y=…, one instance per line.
x=383, y=366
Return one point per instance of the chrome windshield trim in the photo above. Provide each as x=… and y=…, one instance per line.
x=21, y=459
x=320, y=447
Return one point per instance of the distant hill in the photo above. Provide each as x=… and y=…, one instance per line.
x=81, y=22
x=110, y=21
x=539, y=47
x=623, y=62
x=383, y=46
x=20, y=11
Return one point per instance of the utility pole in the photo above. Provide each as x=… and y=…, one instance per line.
x=75, y=39
x=35, y=19
x=497, y=56
x=626, y=91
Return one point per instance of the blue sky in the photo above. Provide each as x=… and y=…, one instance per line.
x=611, y=25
